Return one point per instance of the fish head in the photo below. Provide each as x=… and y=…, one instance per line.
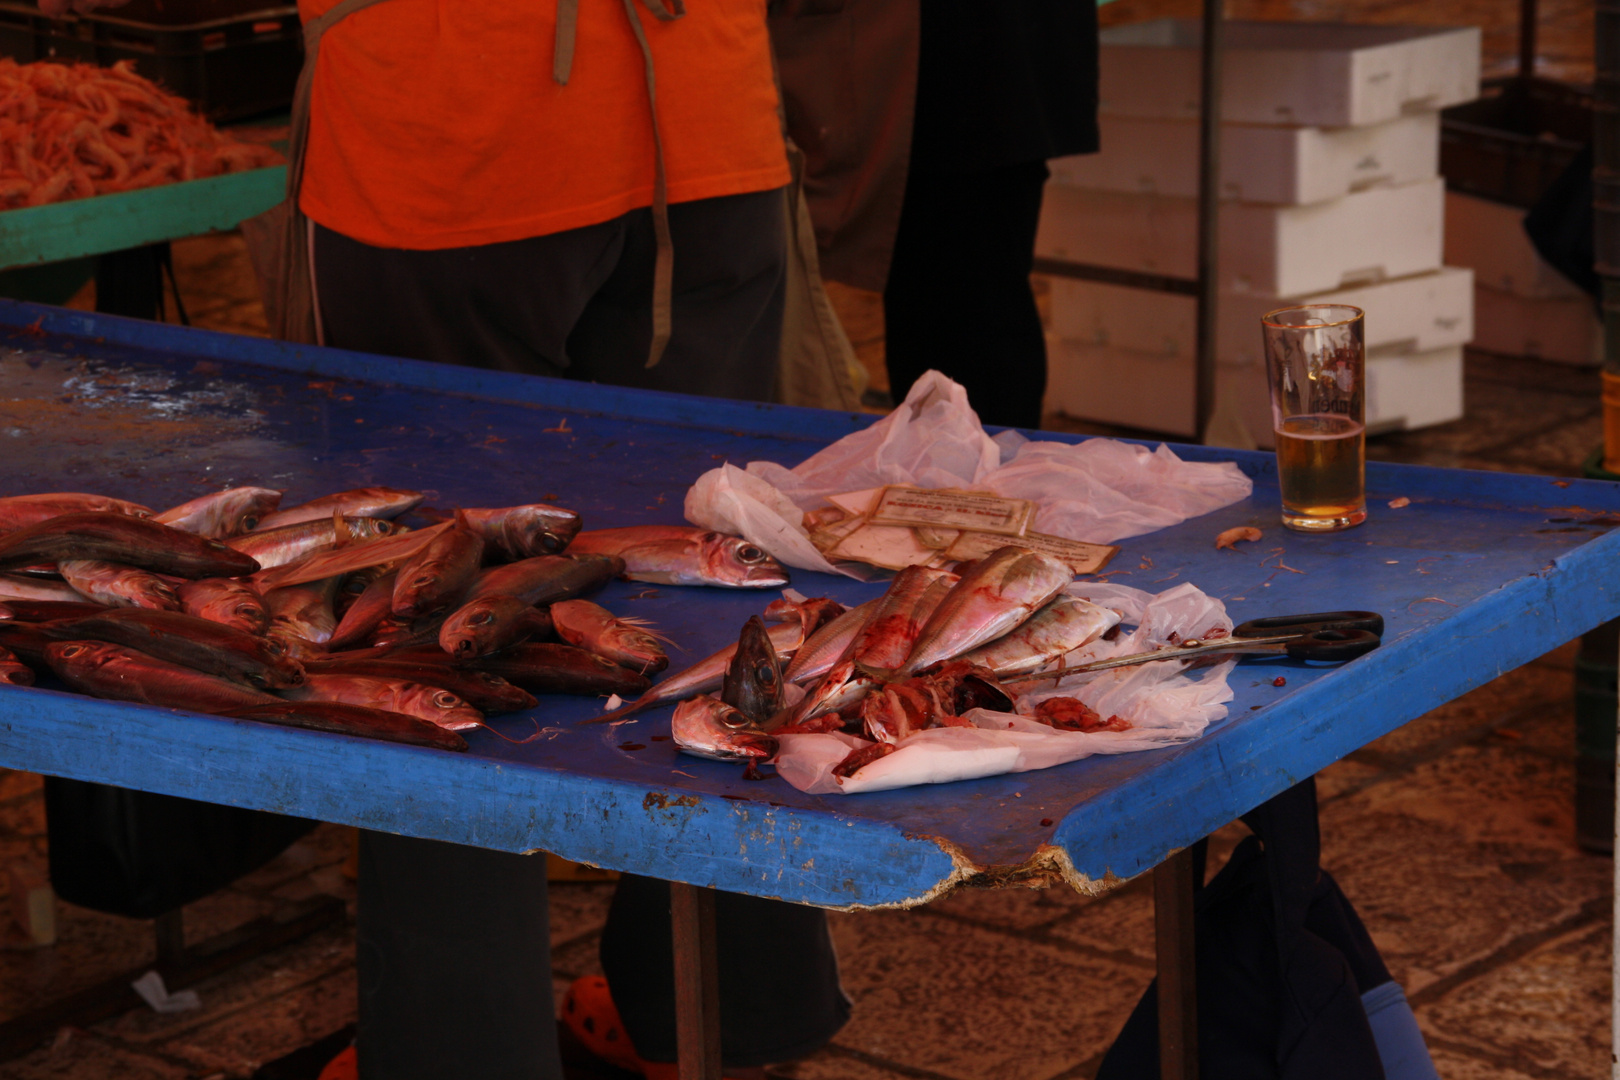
x=740, y=563
x=753, y=684
x=538, y=529
x=707, y=727
x=282, y=669
x=82, y=655
x=470, y=629
x=444, y=708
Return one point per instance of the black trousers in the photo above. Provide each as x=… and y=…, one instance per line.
x=454, y=959
x=577, y=304
x=958, y=297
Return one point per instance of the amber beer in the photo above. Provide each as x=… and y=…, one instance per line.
x=1316, y=365
x=1320, y=463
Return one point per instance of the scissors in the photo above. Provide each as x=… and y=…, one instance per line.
x=1328, y=635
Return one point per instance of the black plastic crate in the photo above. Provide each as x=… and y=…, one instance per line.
x=242, y=60
x=1515, y=140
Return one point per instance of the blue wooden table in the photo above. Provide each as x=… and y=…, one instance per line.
x=1481, y=572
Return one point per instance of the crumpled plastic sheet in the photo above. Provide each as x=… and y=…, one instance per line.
x=1099, y=491
x=1166, y=702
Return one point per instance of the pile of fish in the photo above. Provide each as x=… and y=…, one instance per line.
x=933, y=647
x=329, y=614
x=69, y=131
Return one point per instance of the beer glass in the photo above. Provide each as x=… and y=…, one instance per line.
x=1316, y=363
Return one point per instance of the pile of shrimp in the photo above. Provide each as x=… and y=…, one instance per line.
x=69, y=131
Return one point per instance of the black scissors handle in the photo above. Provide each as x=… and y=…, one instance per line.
x=1330, y=635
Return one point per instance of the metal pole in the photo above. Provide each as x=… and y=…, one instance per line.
x=1209, y=191
x=1527, y=38
x=1178, y=967
x=697, y=982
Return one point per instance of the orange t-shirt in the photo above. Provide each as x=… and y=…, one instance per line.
x=437, y=123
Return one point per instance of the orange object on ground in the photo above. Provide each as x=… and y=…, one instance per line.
x=343, y=1067
x=588, y=1011
x=438, y=123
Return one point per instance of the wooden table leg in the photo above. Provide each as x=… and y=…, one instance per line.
x=697, y=982
x=1178, y=989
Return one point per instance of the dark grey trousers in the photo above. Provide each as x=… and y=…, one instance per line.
x=454, y=958
x=577, y=304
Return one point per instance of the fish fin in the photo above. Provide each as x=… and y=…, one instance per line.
x=340, y=528
x=515, y=742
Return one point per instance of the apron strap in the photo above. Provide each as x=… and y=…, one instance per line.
x=298, y=135
x=562, y=65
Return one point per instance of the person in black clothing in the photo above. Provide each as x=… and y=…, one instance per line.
x=939, y=210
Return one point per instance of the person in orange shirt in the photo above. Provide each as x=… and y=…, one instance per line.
x=482, y=188
x=483, y=181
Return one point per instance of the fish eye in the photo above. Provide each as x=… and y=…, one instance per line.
x=550, y=543
x=764, y=673
x=71, y=651
x=481, y=618
x=274, y=646
x=250, y=522
x=258, y=680
x=444, y=699
x=749, y=553
x=385, y=527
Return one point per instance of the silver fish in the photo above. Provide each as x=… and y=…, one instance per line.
x=429, y=703
x=290, y=543
x=371, y=502
x=682, y=555
x=116, y=585
x=997, y=593
x=1066, y=624
x=882, y=643
x=223, y=513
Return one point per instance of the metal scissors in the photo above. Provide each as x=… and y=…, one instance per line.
x=1328, y=635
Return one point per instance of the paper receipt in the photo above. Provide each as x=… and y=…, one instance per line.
x=949, y=509
x=1081, y=557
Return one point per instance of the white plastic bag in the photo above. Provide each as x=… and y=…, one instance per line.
x=1165, y=702
x=1099, y=491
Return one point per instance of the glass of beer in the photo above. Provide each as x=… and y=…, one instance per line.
x=1316, y=363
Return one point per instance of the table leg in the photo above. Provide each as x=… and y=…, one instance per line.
x=697, y=982
x=1178, y=998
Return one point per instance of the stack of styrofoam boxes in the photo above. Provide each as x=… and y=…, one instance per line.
x=1523, y=307
x=1331, y=193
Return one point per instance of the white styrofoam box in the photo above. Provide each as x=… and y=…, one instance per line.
x=1261, y=164
x=1405, y=389
x=1419, y=313
x=1366, y=236
x=1490, y=237
x=1561, y=329
x=1326, y=74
